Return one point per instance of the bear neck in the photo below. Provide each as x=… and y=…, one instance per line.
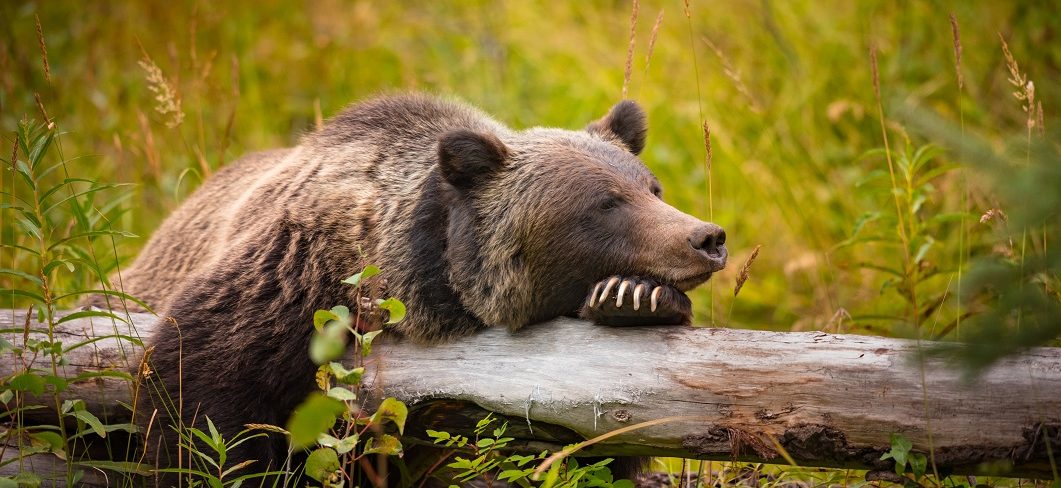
x=436, y=310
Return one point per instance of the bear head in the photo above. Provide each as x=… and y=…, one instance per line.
x=537, y=217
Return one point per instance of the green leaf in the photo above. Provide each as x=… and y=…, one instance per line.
x=921, y=251
x=342, y=394
x=72, y=405
x=343, y=375
x=383, y=444
x=313, y=417
x=93, y=422
x=30, y=382
x=52, y=440
x=391, y=409
x=347, y=444
x=321, y=317
x=322, y=463
x=900, y=448
x=88, y=314
x=918, y=463
x=89, y=234
x=365, y=274
x=26, y=276
x=141, y=469
x=328, y=344
x=396, y=309
x=438, y=436
x=366, y=341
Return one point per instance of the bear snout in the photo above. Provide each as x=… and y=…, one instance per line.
x=709, y=240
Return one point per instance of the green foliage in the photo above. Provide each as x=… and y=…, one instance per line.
x=903, y=456
x=211, y=468
x=487, y=459
x=58, y=253
x=335, y=419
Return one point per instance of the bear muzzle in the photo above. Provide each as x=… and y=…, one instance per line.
x=708, y=243
x=709, y=240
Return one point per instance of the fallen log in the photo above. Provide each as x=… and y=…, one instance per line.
x=820, y=399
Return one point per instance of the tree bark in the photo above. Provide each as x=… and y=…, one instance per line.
x=820, y=399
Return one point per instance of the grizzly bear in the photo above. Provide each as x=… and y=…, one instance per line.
x=474, y=225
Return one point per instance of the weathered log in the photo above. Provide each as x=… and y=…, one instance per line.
x=825, y=399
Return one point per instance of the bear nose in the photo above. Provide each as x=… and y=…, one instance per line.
x=711, y=240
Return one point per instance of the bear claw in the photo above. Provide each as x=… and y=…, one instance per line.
x=666, y=304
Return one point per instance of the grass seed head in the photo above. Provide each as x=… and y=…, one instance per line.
x=956, y=35
x=44, y=49
x=652, y=38
x=745, y=269
x=166, y=96
x=708, y=155
x=630, y=48
x=876, y=74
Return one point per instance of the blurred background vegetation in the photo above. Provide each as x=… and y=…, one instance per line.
x=161, y=94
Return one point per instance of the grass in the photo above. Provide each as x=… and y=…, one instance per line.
x=786, y=99
x=770, y=118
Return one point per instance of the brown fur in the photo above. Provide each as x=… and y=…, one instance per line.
x=473, y=224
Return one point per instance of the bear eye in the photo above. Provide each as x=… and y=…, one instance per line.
x=658, y=192
x=610, y=203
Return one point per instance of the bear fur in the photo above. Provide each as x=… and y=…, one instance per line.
x=474, y=225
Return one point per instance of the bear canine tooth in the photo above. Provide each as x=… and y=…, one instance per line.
x=655, y=296
x=608, y=288
x=593, y=296
x=619, y=294
x=637, y=295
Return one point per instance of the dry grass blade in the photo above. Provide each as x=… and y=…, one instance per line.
x=14, y=152
x=630, y=48
x=734, y=76
x=563, y=453
x=44, y=49
x=44, y=113
x=745, y=269
x=652, y=38
x=956, y=35
x=1039, y=119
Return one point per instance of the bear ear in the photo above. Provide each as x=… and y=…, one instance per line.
x=627, y=121
x=466, y=158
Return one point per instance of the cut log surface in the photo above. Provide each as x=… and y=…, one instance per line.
x=820, y=399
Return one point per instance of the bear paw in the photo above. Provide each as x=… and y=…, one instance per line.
x=634, y=301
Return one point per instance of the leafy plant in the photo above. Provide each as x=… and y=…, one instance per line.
x=341, y=448
x=53, y=261
x=488, y=461
x=215, y=472
x=901, y=452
